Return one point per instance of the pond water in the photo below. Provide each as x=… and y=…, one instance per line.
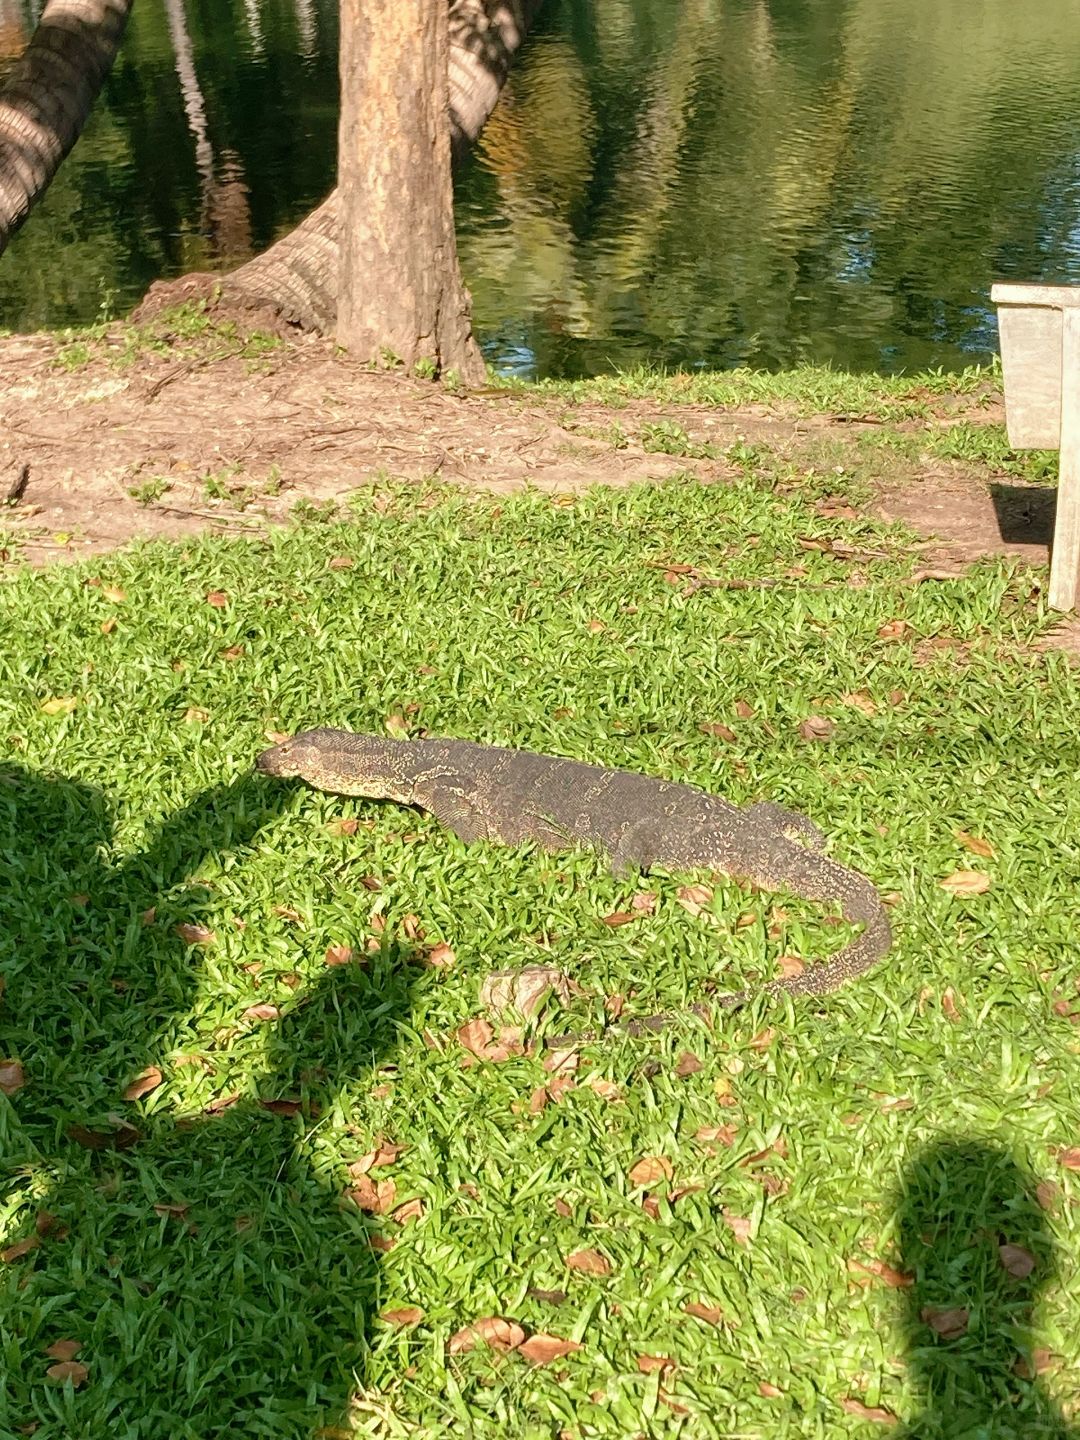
x=685, y=182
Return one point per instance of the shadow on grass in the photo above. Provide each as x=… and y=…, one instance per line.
x=971, y=1351
x=1025, y=513
x=203, y=1262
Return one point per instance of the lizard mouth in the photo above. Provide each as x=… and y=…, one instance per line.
x=269, y=762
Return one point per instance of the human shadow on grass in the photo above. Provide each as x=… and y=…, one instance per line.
x=169, y=1245
x=975, y=1239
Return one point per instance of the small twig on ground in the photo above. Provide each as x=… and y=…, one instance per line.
x=18, y=486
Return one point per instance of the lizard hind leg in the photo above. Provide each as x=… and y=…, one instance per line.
x=790, y=823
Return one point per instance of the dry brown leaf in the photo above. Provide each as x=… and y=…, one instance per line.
x=744, y=710
x=73, y=1370
x=264, y=1011
x=120, y=1138
x=1017, y=1261
x=223, y=1102
x=589, y=1262
x=711, y=1314
x=171, y=1211
x=147, y=917
x=721, y=732
x=562, y=1062
x=694, y=898
x=382, y=1243
x=523, y=990
x=278, y=737
x=789, y=966
x=655, y=1364
x=763, y=1039
x=406, y=1315
x=338, y=954
x=108, y=626
x=769, y=1391
x=619, y=917
x=976, y=844
x=499, y=1334
x=288, y=912
x=966, y=882
x=562, y=1208
x=722, y=1134
x=407, y=1213
x=817, y=727
x=687, y=1064
x=232, y=652
x=217, y=598
x=649, y=1169
x=196, y=715
x=558, y=1085
x=606, y=1089
x=861, y=700
x=64, y=1349
x=384, y=1153
x=893, y=630
x=644, y=902
x=894, y=1279
x=114, y=593
x=195, y=934
x=1069, y=1158
x=375, y=1197
x=1038, y=1363
x=146, y=1080
x=543, y=1349
x=651, y=1205
x=12, y=1076
x=282, y=1106
x=739, y=1225
x=868, y=1412
x=342, y=562
x=614, y=1005
x=46, y=1224
x=950, y=1323
x=948, y=1003
x=538, y=1100
x=20, y=1248
x=440, y=957
x=1046, y=1193
x=476, y=1036
x=343, y=827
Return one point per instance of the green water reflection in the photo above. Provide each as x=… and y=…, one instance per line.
x=681, y=181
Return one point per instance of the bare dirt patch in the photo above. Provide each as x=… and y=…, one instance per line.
x=103, y=445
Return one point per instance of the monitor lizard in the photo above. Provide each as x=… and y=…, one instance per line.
x=482, y=792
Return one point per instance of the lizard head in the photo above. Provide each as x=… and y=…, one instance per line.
x=338, y=761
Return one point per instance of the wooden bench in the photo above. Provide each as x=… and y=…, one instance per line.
x=1040, y=356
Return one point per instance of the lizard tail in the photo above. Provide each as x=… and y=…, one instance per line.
x=814, y=876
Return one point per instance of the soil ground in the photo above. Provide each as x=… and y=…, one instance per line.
x=213, y=441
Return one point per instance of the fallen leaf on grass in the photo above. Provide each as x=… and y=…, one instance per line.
x=966, y=882
x=64, y=1349
x=262, y=1012
x=1038, y=1363
x=1046, y=1193
x=217, y=598
x=562, y=1208
x=146, y=1080
x=1069, y=1159
x=768, y=1390
x=562, y=1062
x=740, y=1226
x=288, y=912
x=549, y=1297
x=20, y=1248
x=894, y=1279
x=868, y=1412
x=589, y=1262
x=282, y=1107
x=763, y=1039
x=687, y=1064
x=1017, y=1261
x=73, y=1370
x=619, y=917
x=789, y=966
x=385, y=1153
x=950, y=1324
x=342, y=827
x=338, y=954
x=976, y=844
x=12, y=1076
x=108, y=626
x=122, y=1138
x=655, y=1364
x=948, y=1003
x=699, y=1310
x=861, y=700
x=499, y=1334
x=478, y=1038
x=375, y=1197
x=606, y=1089
x=723, y=1134
x=342, y=562
x=196, y=715
x=169, y=1211
x=47, y=1224
x=405, y=1214
x=223, y=1102
x=440, y=957
x=650, y=1169
x=543, y=1349
x=893, y=630
x=58, y=705
x=406, y=1315
x=694, y=898
x=114, y=593
x=817, y=727
x=523, y=990
x=195, y=934
x=721, y=732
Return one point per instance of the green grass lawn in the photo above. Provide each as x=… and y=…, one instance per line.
x=809, y=1160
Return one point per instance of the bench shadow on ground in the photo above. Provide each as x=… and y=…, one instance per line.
x=960, y=1202
x=1025, y=513
x=218, y=1316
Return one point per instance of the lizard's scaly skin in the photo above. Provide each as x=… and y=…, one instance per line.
x=482, y=792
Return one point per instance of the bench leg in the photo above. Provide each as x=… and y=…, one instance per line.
x=1065, y=555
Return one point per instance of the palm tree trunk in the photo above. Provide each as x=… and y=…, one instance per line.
x=297, y=278
x=47, y=98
